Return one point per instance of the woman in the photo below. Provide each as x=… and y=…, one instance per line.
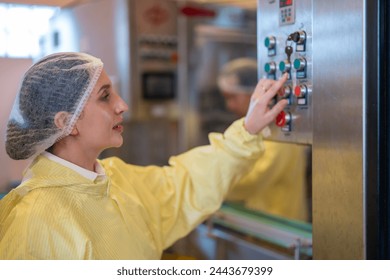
x=70, y=205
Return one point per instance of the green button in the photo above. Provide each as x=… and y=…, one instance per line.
x=297, y=64
x=282, y=66
x=267, y=42
x=267, y=67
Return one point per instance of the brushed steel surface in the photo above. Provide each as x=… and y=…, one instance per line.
x=338, y=79
x=333, y=123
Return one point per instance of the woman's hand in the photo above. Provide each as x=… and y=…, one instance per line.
x=259, y=114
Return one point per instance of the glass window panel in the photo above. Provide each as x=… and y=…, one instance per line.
x=21, y=29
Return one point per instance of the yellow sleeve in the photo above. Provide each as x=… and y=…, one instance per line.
x=277, y=182
x=275, y=165
x=180, y=196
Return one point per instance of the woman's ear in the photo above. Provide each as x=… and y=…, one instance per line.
x=60, y=120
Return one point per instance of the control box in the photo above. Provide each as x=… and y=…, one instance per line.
x=285, y=46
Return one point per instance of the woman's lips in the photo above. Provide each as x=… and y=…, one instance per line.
x=118, y=128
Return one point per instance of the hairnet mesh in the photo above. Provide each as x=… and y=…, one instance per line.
x=60, y=82
x=238, y=76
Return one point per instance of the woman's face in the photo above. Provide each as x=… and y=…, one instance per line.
x=99, y=126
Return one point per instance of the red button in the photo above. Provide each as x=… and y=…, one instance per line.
x=281, y=119
x=297, y=91
x=282, y=91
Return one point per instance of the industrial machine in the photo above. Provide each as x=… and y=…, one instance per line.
x=335, y=53
x=336, y=56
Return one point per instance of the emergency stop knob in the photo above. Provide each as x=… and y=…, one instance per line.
x=283, y=119
x=270, y=67
x=285, y=66
x=270, y=42
x=300, y=63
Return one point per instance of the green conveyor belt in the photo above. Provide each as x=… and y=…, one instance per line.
x=278, y=224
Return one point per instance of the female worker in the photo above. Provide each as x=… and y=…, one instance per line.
x=70, y=205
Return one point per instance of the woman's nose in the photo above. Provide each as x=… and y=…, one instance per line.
x=121, y=106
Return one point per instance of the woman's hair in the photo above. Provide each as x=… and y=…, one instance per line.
x=60, y=82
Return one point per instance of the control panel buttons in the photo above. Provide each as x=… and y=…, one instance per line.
x=299, y=37
x=286, y=93
x=283, y=120
x=300, y=63
x=285, y=66
x=297, y=91
x=270, y=67
x=301, y=92
x=270, y=42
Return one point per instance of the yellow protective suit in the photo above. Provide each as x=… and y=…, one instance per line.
x=277, y=183
x=133, y=213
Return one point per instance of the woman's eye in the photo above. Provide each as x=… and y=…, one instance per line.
x=106, y=95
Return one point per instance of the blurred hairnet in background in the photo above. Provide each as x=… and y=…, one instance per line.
x=60, y=82
x=238, y=76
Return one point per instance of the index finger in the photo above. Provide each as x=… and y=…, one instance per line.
x=276, y=86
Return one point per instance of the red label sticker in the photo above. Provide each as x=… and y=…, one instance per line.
x=156, y=15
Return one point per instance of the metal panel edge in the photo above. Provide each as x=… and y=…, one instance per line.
x=338, y=190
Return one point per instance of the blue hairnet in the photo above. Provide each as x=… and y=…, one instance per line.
x=56, y=83
x=238, y=76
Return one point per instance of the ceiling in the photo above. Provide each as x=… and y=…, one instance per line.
x=68, y=3
x=57, y=3
x=251, y=4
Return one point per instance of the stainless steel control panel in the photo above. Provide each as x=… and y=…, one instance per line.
x=285, y=45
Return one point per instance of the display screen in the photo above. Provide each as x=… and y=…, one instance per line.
x=158, y=85
x=285, y=3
